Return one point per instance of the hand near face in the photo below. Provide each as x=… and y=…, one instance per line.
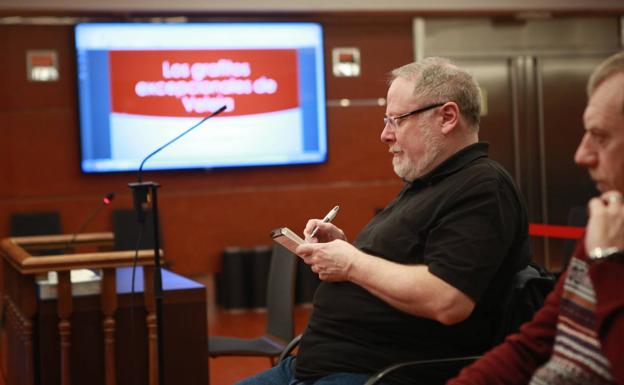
x=605, y=227
x=331, y=261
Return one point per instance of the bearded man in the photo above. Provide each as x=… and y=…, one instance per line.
x=424, y=278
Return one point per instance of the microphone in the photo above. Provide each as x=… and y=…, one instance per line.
x=217, y=112
x=139, y=189
x=106, y=200
x=140, y=193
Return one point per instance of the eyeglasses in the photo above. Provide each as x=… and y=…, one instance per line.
x=393, y=121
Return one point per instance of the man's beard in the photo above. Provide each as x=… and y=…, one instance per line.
x=409, y=170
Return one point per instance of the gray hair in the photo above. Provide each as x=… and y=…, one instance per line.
x=611, y=66
x=442, y=81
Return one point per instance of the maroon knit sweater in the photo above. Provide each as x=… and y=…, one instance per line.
x=515, y=360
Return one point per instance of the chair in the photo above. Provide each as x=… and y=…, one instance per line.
x=529, y=288
x=126, y=230
x=42, y=223
x=456, y=362
x=36, y=223
x=280, y=299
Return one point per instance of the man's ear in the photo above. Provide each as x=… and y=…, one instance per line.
x=450, y=117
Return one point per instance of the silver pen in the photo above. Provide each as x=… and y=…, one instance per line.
x=328, y=218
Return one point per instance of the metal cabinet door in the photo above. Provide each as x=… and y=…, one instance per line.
x=562, y=98
x=497, y=119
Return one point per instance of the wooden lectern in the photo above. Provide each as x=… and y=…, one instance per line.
x=91, y=338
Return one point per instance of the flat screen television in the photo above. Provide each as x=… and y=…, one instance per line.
x=140, y=85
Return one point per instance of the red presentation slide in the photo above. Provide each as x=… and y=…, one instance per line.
x=193, y=83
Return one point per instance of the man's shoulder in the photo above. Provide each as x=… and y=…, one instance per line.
x=483, y=178
x=486, y=169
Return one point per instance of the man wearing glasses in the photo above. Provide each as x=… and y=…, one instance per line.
x=424, y=277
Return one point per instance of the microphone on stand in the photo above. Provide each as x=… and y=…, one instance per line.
x=106, y=200
x=139, y=192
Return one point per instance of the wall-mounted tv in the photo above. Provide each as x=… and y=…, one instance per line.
x=140, y=85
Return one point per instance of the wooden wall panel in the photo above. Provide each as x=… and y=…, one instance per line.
x=20, y=94
x=201, y=211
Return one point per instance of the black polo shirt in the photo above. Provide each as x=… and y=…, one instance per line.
x=467, y=222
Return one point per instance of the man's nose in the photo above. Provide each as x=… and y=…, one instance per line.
x=387, y=135
x=585, y=155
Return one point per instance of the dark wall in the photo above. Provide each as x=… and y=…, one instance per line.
x=201, y=212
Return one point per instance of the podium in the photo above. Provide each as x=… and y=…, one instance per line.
x=92, y=338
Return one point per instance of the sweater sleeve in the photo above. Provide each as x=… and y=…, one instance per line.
x=608, y=281
x=516, y=359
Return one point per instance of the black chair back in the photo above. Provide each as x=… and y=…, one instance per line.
x=529, y=289
x=280, y=298
x=37, y=223
x=126, y=230
x=281, y=293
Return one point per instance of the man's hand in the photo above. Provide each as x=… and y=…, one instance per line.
x=331, y=261
x=605, y=227
x=326, y=232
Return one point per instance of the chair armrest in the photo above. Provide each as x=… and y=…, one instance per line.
x=380, y=375
x=289, y=348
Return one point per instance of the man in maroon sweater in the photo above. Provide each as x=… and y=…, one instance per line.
x=578, y=336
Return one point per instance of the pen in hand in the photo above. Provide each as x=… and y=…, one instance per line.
x=328, y=218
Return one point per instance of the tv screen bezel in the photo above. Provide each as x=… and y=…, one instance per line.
x=321, y=101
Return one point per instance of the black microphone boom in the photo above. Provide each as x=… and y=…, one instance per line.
x=217, y=112
x=106, y=200
x=140, y=189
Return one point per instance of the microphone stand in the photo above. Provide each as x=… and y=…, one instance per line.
x=140, y=192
